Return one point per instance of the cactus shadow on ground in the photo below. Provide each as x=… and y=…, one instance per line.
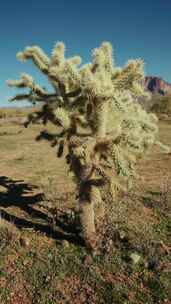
x=22, y=196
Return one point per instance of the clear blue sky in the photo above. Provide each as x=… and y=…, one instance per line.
x=136, y=29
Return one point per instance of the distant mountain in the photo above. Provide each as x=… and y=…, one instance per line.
x=157, y=85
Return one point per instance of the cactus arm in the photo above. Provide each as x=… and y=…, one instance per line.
x=20, y=97
x=37, y=55
x=32, y=97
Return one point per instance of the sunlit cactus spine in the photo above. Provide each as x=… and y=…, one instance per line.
x=102, y=125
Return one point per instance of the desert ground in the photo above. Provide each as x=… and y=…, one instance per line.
x=42, y=255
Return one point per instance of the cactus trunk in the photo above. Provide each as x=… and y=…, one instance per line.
x=90, y=195
x=90, y=198
x=88, y=223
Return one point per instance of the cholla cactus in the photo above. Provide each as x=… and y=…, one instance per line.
x=103, y=127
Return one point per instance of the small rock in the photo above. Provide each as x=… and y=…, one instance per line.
x=25, y=242
x=25, y=262
x=122, y=235
x=65, y=244
x=135, y=257
x=50, y=256
x=48, y=278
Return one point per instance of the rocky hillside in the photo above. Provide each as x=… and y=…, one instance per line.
x=157, y=85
